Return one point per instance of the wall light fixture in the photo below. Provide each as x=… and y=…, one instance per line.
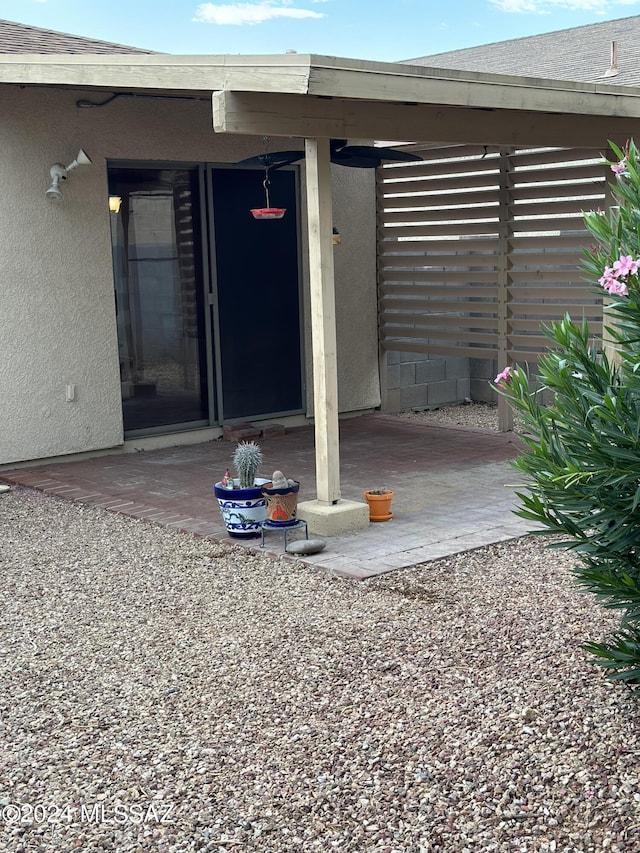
x=58, y=173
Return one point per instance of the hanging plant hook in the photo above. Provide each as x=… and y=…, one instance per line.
x=266, y=184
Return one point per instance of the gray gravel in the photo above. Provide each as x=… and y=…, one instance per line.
x=164, y=693
x=476, y=415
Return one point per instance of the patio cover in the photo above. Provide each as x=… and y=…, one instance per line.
x=318, y=98
x=308, y=95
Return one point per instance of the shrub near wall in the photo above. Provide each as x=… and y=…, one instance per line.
x=583, y=443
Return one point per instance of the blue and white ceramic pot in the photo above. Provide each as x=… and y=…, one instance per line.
x=243, y=510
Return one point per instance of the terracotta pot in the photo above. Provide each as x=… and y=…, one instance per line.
x=282, y=504
x=379, y=505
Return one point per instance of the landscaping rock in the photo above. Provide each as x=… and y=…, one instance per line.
x=306, y=546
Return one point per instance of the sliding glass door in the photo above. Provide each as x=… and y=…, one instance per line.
x=157, y=261
x=258, y=294
x=207, y=298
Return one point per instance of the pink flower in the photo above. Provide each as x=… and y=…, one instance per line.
x=619, y=168
x=503, y=377
x=607, y=275
x=619, y=288
x=625, y=266
x=611, y=277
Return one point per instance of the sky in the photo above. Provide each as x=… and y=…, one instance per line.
x=384, y=30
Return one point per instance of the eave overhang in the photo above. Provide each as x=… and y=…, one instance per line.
x=310, y=95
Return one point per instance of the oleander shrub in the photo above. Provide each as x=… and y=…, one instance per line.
x=580, y=424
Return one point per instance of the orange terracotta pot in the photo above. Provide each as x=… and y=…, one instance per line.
x=379, y=505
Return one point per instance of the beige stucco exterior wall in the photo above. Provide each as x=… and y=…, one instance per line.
x=356, y=288
x=57, y=317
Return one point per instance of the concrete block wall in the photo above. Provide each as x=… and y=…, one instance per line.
x=483, y=370
x=417, y=381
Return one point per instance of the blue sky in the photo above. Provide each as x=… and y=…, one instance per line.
x=386, y=30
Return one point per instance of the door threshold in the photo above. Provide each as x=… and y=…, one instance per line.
x=171, y=439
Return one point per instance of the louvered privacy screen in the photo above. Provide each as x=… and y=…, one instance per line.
x=477, y=249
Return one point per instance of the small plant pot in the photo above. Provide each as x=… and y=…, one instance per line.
x=282, y=504
x=379, y=504
x=243, y=510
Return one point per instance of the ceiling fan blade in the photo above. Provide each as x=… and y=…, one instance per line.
x=381, y=153
x=356, y=156
x=337, y=144
x=273, y=159
x=355, y=160
x=400, y=156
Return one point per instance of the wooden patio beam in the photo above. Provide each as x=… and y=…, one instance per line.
x=277, y=114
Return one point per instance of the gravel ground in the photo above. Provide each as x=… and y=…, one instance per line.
x=476, y=414
x=164, y=693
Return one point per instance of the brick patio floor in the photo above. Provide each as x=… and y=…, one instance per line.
x=450, y=486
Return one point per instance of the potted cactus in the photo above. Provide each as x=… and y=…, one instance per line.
x=240, y=498
x=281, y=495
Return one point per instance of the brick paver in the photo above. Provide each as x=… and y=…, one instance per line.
x=449, y=486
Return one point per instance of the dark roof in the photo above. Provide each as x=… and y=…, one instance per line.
x=579, y=53
x=21, y=38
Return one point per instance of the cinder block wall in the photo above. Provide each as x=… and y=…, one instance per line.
x=416, y=381
x=482, y=371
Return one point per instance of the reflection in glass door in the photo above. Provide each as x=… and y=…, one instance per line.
x=157, y=261
x=258, y=295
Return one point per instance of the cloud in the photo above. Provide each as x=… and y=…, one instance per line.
x=238, y=14
x=544, y=7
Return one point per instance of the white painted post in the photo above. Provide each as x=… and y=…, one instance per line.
x=323, y=320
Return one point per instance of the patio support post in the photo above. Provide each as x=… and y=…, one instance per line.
x=323, y=320
x=328, y=515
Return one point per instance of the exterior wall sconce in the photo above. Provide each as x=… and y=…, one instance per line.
x=58, y=174
x=114, y=203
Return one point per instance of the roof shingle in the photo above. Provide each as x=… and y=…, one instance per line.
x=581, y=53
x=22, y=38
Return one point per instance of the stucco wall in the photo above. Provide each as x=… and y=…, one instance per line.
x=57, y=317
x=356, y=288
